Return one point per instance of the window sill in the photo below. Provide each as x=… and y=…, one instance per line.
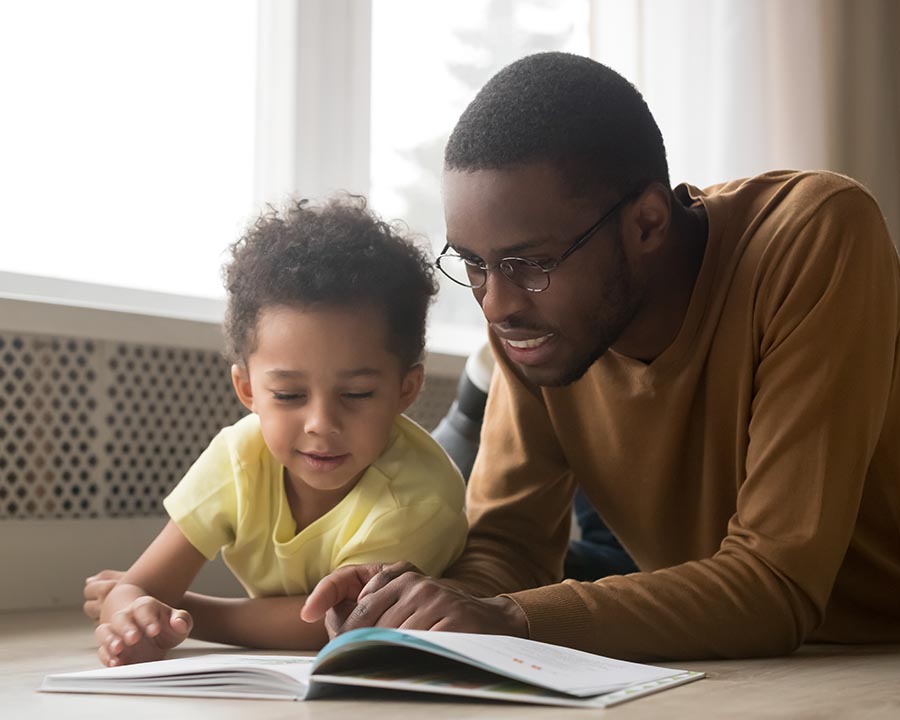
x=44, y=305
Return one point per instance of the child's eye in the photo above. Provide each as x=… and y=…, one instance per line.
x=359, y=395
x=286, y=397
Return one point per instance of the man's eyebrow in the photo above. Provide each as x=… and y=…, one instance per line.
x=513, y=250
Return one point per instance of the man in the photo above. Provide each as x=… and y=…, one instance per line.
x=718, y=370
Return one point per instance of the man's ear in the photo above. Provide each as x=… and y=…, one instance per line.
x=240, y=378
x=411, y=385
x=652, y=213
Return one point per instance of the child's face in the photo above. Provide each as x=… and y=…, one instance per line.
x=326, y=390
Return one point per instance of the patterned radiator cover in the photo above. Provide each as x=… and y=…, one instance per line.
x=93, y=428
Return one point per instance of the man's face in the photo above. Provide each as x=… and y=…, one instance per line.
x=553, y=337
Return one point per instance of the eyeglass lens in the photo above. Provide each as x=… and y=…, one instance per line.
x=521, y=271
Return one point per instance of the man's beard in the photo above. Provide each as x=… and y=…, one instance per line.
x=618, y=304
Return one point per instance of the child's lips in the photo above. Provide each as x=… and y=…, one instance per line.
x=324, y=462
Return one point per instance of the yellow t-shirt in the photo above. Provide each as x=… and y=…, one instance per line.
x=407, y=506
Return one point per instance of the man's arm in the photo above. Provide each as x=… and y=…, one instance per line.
x=519, y=496
x=827, y=318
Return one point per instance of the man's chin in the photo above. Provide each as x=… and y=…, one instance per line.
x=546, y=376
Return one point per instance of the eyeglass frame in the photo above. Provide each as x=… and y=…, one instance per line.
x=546, y=266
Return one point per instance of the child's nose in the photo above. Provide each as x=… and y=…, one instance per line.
x=322, y=418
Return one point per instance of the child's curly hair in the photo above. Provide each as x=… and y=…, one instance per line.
x=338, y=253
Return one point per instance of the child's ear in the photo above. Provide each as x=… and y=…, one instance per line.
x=240, y=378
x=411, y=385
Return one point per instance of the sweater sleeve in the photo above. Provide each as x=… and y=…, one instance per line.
x=519, y=495
x=826, y=330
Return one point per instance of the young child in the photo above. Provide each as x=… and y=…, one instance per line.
x=325, y=329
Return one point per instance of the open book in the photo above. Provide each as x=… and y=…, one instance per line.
x=485, y=666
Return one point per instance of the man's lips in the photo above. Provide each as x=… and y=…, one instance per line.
x=528, y=343
x=531, y=349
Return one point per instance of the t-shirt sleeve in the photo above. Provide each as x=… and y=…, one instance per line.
x=826, y=328
x=204, y=504
x=429, y=534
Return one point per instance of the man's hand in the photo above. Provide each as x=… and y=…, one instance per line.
x=336, y=594
x=144, y=630
x=96, y=588
x=400, y=596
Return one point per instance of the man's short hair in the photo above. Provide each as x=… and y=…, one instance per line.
x=567, y=110
x=334, y=254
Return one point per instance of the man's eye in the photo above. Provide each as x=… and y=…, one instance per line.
x=359, y=395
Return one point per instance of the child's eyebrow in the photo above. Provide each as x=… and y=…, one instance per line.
x=360, y=372
x=355, y=372
x=285, y=373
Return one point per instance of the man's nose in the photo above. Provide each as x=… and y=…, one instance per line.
x=500, y=298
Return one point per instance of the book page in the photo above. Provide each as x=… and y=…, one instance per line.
x=211, y=675
x=406, y=667
x=557, y=668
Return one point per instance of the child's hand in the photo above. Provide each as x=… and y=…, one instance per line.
x=96, y=588
x=143, y=631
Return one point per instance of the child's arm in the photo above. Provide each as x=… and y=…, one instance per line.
x=270, y=622
x=252, y=622
x=138, y=620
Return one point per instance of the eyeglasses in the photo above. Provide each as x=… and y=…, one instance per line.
x=530, y=275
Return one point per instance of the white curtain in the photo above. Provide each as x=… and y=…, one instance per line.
x=743, y=86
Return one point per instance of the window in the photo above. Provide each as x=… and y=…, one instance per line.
x=428, y=61
x=139, y=137
x=127, y=139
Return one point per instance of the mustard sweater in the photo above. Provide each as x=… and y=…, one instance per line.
x=752, y=470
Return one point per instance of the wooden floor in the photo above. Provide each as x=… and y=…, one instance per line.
x=817, y=682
